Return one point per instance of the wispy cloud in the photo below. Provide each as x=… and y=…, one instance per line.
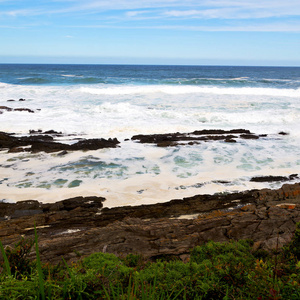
x=169, y=13
x=174, y=8
x=22, y=12
x=271, y=27
x=207, y=8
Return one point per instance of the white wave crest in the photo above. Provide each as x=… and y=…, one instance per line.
x=173, y=90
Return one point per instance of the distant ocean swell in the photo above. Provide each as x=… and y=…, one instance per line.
x=69, y=79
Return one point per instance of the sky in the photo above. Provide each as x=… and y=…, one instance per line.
x=198, y=32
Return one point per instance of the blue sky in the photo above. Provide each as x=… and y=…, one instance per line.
x=213, y=32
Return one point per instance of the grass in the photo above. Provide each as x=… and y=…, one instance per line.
x=230, y=270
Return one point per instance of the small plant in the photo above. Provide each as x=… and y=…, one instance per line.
x=230, y=270
x=293, y=248
x=6, y=262
x=18, y=259
x=132, y=260
x=39, y=267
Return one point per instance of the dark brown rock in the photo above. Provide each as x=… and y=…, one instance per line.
x=249, y=136
x=15, y=109
x=175, y=139
x=271, y=178
x=5, y=108
x=46, y=143
x=220, y=131
x=230, y=140
x=78, y=224
x=24, y=109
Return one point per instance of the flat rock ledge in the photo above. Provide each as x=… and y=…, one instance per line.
x=197, y=136
x=38, y=142
x=80, y=226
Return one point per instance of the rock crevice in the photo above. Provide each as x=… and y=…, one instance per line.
x=73, y=226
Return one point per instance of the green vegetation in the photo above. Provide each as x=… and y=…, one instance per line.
x=214, y=271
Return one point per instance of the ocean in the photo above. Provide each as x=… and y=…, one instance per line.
x=108, y=101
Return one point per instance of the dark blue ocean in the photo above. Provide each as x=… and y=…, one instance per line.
x=94, y=101
x=223, y=76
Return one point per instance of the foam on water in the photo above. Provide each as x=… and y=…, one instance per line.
x=135, y=173
x=115, y=110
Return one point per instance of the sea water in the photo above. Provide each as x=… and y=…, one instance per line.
x=107, y=101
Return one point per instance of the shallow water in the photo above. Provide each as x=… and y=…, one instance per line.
x=120, y=101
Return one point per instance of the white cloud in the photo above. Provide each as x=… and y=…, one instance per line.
x=167, y=12
x=222, y=9
x=136, y=13
x=271, y=27
x=21, y=12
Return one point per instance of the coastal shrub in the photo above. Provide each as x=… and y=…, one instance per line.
x=133, y=260
x=20, y=264
x=214, y=251
x=12, y=288
x=214, y=271
x=293, y=248
x=107, y=265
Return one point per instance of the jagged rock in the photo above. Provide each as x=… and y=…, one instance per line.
x=173, y=139
x=46, y=143
x=79, y=224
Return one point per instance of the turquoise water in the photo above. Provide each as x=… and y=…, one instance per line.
x=94, y=101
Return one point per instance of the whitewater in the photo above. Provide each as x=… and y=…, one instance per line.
x=121, y=101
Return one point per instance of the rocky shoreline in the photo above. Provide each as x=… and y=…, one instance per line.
x=80, y=226
x=37, y=140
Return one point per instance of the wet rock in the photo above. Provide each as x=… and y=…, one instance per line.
x=16, y=109
x=10, y=100
x=36, y=138
x=230, y=140
x=273, y=178
x=47, y=144
x=24, y=109
x=8, y=141
x=249, y=136
x=94, y=144
x=175, y=139
x=32, y=131
x=52, y=132
x=5, y=108
x=48, y=132
x=220, y=131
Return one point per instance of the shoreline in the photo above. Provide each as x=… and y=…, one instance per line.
x=81, y=225
x=33, y=166
x=141, y=225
